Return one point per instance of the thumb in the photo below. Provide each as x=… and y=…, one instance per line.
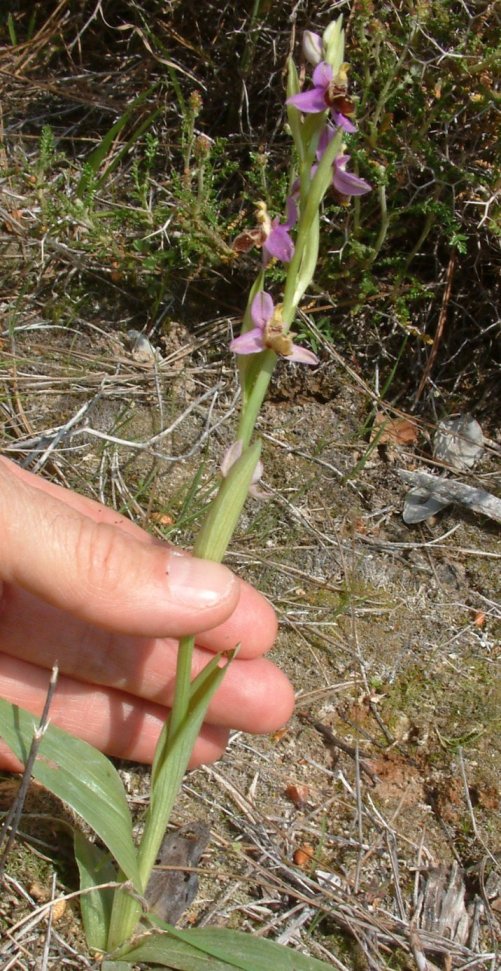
x=100, y=574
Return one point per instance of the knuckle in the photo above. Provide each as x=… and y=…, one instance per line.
x=99, y=560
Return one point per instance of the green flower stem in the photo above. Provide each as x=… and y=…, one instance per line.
x=182, y=684
x=254, y=395
x=171, y=755
x=224, y=513
x=211, y=544
x=300, y=274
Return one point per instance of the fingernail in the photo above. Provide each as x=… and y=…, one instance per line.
x=198, y=583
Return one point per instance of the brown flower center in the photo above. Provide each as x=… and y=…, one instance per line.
x=336, y=94
x=274, y=336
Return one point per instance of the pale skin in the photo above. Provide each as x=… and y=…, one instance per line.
x=83, y=587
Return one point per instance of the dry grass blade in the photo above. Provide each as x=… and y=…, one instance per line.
x=9, y=826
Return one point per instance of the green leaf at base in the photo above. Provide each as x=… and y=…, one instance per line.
x=79, y=775
x=95, y=867
x=217, y=949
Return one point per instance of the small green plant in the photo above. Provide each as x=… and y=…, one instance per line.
x=47, y=152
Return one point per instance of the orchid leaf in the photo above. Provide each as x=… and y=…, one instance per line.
x=219, y=949
x=80, y=776
x=171, y=762
x=95, y=867
x=116, y=966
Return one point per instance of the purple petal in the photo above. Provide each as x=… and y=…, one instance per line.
x=343, y=122
x=249, y=343
x=347, y=183
x=301, y=355
x=279, y=244
x=322, y=75
x=262, y=308
x=309, y=101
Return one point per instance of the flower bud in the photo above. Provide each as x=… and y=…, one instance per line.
x=312, y=47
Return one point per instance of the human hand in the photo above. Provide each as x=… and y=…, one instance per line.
x=83, y=587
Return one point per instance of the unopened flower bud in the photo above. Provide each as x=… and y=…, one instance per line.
x=231, y=456
x=312, y=47
x=333, y=44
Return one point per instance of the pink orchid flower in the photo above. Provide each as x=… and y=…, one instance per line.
x=278, y=243
x=327, y=92
x=270, y=234
x=346, y=183
x=268, y=333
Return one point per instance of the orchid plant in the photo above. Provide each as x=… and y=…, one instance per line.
x=114, y=881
